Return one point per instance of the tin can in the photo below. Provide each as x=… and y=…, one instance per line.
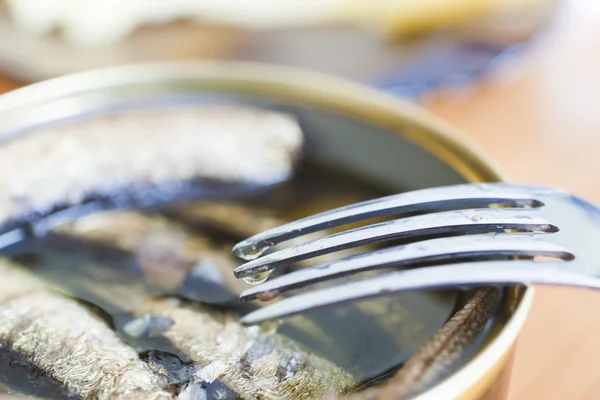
x=345, y=123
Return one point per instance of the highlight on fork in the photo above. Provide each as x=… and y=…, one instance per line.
x=259, y=199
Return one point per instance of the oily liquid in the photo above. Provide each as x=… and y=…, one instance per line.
x=367, y=339
x=257, y=279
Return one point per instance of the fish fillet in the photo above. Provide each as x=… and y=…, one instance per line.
x=127, y=230
x=439, y=355
x=144, y=157
x=67, y=343
x=251, y=363
x=248, y=361
x=170, y=257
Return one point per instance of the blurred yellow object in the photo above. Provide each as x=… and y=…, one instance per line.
x=40, y=39
x=105, y=22
x=407, y=17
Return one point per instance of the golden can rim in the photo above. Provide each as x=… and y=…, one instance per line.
x=299, y=86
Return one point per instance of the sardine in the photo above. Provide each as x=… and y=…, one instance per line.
x=171, y=258
x=393, y=318
x=177, y=259
x=142, y=158
x=189, y=264
x=64, y=342
x=440, y=354
x=239, y=221
x=250, y=362
x=208, y=151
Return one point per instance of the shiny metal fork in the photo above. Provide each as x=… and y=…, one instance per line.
x=459, y=235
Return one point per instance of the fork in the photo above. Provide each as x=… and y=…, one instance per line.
x=461, y=235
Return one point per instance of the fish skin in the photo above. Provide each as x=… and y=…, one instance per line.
x=126, y=234
x=168, y=254
x=128, y=228
x=176, y=249
x=438, y=356
x=247, y=359
x=240, y=221
x=144, y=157
x=446, y=347
x=204, y=334
x=63, y=340
x=215, y=337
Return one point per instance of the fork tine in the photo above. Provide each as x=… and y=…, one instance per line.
x=444, y=223
x=448, y=249
x=449, y=197
x=471, y=273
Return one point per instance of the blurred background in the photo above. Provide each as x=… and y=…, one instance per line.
x=520, y=77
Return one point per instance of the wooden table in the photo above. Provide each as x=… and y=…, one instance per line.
x=541, y=121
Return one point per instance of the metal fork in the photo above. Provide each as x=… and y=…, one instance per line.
x=474, y=234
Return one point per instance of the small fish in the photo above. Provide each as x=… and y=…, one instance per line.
x=252, y=364
x=246, y=360
x=142, y=158
x=170, y=257
x=63, y=341
x=238, y=221
x=393, y=319
x=439, y=355
x=249, y=362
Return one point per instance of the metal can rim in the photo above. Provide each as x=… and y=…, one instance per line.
x=317, y=89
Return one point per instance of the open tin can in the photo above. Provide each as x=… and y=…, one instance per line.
x=347, y=127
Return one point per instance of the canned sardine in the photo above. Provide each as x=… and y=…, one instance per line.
x=121, y=209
